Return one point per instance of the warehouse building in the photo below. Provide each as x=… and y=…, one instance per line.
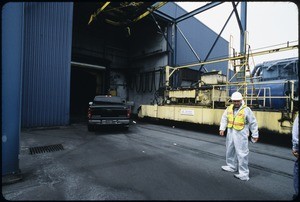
x=56, y=56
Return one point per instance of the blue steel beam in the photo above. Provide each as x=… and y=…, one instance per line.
x=197, y=11
x=237, y=17
x=244, y=27
x=12, y=59
x=164, y=16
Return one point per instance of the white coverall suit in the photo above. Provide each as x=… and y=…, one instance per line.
x=237, y=141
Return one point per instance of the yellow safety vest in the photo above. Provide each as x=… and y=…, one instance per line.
x=237, y=121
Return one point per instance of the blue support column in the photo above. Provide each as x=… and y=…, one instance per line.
x=12, y=46
x=244, y=26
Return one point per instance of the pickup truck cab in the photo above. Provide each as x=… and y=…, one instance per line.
x=109, y=111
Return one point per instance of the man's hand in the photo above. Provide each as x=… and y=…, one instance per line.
x=295, y=153
x=254, y=139
x=221, y=132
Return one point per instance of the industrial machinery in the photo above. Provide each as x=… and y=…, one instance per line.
x=270, y=90
x=201, y=95
x=277, y=78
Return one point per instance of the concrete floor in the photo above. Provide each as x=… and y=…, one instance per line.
x=147, y=162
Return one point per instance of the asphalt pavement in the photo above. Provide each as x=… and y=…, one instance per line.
x=146, y=162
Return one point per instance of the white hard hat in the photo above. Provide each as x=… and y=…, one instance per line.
x=236, y=96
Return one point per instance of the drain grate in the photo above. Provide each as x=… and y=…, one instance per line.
x=45, y=149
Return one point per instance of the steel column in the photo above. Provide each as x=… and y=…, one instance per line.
x=244, y=26
x=12, y=59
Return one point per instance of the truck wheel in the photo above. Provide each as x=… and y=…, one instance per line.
x=91, y=128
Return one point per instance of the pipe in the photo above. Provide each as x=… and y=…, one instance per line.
x=87, y=65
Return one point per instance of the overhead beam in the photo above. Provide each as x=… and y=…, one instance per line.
x=93, y=16
x=153, y=8
x=150, y=10
x=197, y=11
x=163, y=15
x=85, y=65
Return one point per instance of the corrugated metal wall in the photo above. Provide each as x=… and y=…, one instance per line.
x=47, y=58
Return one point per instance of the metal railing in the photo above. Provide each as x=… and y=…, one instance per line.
x=256, y=90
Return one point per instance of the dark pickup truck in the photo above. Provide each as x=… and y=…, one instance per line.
x=108, y=110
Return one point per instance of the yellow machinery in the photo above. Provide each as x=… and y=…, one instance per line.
x=205, y=103
x=203, y=94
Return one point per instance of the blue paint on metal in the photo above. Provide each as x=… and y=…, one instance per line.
x=271, y=89
x=12, y=40
x=280, y=71
x=47, y=59
x=244, y=26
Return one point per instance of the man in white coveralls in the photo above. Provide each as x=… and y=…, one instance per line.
x=238, y=119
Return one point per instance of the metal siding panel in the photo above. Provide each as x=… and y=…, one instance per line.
x=47, y=64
